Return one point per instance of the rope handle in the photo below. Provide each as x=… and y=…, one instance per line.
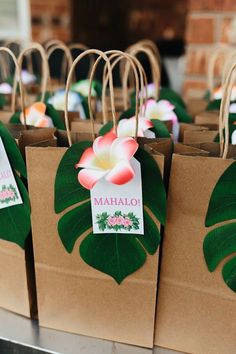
x=101, y=55
x=17, y=75
x=83, y=47
x=66, y=58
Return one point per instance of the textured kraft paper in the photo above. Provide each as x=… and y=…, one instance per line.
x=196, y=105
x=198, y=136
x=73, y=296
x=208, y=117
x=195, y=309
x=186, y=126
x=17, y=279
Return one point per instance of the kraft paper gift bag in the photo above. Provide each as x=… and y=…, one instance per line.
x=17, y=292
x=196, y=304
x=101, y=285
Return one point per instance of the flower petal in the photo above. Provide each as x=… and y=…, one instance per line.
x=123, y=148
x=88, y=159
x=120, y=174
x=102, y=145
x=165, y=105
x=89, y=177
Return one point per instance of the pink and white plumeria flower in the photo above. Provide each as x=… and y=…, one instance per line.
x=35, y=116
x=151, y=91
x=127, y=127
x=108, y=158
x=162, y=110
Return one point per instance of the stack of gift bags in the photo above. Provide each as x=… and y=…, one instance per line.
x=115, y=222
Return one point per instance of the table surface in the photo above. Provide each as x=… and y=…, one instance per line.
x=17, y=332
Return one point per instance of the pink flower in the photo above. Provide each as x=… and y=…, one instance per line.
x=119, y=220
x=162, y=110
x=36, y=116
x=108, y=158
x=127, y=127
x=127, y=222
x=111, y=221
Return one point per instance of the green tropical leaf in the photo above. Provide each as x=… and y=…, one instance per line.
x=229, y=273
x=213, y=105
x=55, y=116
x=117, y=255
x=160, y=129
x=180, y=111
x=15, y=118
x=68, y=190
x=106, y=128
x=2, y=101
x=218, y=244
x=15, y=220
x=154, y=194
x=73, y=224
x=222, y=205
x=13, y=152
x=167, y=93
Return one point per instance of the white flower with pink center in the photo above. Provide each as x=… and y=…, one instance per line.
x=36, y=116
x=127, y=127
x=162, y=110
x=108, y=158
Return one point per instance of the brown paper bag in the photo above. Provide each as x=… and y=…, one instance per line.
x=193, y=137
x=195, y=308
x=89, y=302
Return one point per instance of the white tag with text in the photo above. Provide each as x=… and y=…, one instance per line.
x=9, y=193
x=118, y=208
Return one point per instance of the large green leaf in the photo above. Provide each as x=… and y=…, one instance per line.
x=15, y=220
x=229, y=273
x=213, y=105
x=222, y=205
x=117, y=255
x=15, y=118
x=73, y=224
x=167, y=93
x=2, y=101
x=160, y=129
x=106, y=128
x=13, y=152
x=55, y=116
x=154, y=195
x=218, y=244
x=68, y=190
x=180, y=111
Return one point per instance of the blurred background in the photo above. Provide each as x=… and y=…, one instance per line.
x=184, y=30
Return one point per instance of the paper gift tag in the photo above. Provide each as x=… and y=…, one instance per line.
x=118, y=208
x=9, y=193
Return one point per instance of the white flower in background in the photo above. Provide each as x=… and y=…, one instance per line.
x=127, y=127
x=232, y=108
x=5, y=88
x=27, y=78
x=218, y=93
x=162, y=110
x=35, y=116
x=233, y=138
x=82, y=87
x=151, y=91
x=74, y=102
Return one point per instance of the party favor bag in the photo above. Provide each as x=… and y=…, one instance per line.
x=97, y=284
x=17, y=291
x=196, y=300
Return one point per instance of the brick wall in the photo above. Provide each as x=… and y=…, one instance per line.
x=208, y=22
x=51, y=19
